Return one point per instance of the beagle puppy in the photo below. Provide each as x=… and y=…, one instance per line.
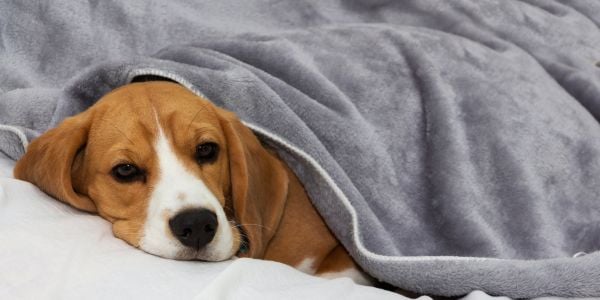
x=183, y=179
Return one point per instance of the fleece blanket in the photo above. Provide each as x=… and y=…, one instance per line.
x=449, y=145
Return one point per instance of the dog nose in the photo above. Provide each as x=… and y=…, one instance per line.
x=194, y=228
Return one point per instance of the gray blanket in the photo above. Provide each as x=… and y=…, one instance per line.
x=450, y=145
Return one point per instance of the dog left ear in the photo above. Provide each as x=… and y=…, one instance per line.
x=54, y=161
x=259, y=184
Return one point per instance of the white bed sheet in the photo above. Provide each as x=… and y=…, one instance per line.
x=49, y=250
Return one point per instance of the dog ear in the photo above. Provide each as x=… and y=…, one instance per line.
x=54, y=161
x=259, y=184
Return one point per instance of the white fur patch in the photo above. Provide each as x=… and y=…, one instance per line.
x=307, y=266
x=175, y=190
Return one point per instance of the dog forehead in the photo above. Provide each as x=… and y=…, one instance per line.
x=130, y=116
x=143, y=103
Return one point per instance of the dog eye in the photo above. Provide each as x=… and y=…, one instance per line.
x=127, y=173
x=207, y=152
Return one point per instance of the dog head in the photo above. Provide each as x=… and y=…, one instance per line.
x=175, y=175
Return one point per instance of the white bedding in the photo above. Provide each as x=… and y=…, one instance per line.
x=49, y=250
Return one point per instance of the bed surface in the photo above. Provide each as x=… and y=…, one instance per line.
x=49, y=250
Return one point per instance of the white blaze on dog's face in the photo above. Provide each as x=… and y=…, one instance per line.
x=152, y=159
x=179, y=194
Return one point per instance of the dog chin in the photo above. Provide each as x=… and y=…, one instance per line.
x=185, y=253
x=223, y=247
x=202, y=255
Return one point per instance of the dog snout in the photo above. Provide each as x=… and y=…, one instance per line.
x=194, y=228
